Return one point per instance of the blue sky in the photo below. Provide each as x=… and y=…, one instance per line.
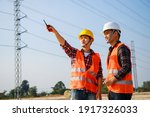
x=44, y=63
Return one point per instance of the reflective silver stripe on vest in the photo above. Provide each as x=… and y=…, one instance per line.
x=83, y=70
x=86, y=79
x=129, y=82
x=78, y=69
x=92, y=73
x=113, y=71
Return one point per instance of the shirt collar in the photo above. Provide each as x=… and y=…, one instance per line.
x=112, y=47
x=91, y=51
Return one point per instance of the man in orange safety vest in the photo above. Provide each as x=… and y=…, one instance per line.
x=119, y=75
x=86, y=72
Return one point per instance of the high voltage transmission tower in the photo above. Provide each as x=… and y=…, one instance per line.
x=18, y=47
x=134, y=66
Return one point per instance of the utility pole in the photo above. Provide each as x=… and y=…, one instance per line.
x=18, y=75
x=134, y=65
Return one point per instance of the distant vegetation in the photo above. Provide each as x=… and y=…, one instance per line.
x=145, y=87
x=26, y=91
x=59, y=88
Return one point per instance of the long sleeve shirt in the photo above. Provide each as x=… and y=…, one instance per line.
x=71, y=52
x=124, y=60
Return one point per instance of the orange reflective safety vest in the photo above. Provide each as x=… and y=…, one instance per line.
x=82, y=78
x=124, y=85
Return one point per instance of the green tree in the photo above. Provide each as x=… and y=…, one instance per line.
x=12, y=93
x=43, y=93
x=59, y=88
x=146, y=86
x=24, y=88
x=33, y=91
x=2, y=95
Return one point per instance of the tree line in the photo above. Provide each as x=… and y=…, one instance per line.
x=59, y=88
x=26, y=91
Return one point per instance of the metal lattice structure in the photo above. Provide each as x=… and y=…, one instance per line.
x=17, y=18
x=134, y=66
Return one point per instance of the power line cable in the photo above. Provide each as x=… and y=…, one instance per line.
x=7, y=45
x=39, y=23
x=143, y=61
x=3, y=12
x=32, y=33
x=140, y=16
x=91, y=10
x=37, y=50
x=121, y=11
x=62, y=32
x=141, y=49
x=59, y=20
x=46, y=39
x=44, y=52
x=143, y=55
x=43, y=38
x=127, y=26
x=70, y=23
x=146, y=50
x=41, y=51
x=69, y=35
x=6, y=29
x=145, y=4
x=141, y=67
x=52, y=17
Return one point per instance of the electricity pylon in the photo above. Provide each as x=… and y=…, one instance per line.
x=17, y=18
x=134, y=66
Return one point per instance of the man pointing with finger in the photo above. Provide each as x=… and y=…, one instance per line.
x=86, y=72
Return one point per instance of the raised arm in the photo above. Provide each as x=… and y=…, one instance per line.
x=60, y=39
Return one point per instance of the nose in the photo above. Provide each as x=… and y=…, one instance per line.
x=82, y=39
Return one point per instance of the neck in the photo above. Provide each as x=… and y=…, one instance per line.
x=86, y=49
x=112, y=44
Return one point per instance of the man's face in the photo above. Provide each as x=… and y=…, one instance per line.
x=109, y=36
x=84, y=40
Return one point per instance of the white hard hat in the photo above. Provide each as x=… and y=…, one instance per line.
x=111, y=25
